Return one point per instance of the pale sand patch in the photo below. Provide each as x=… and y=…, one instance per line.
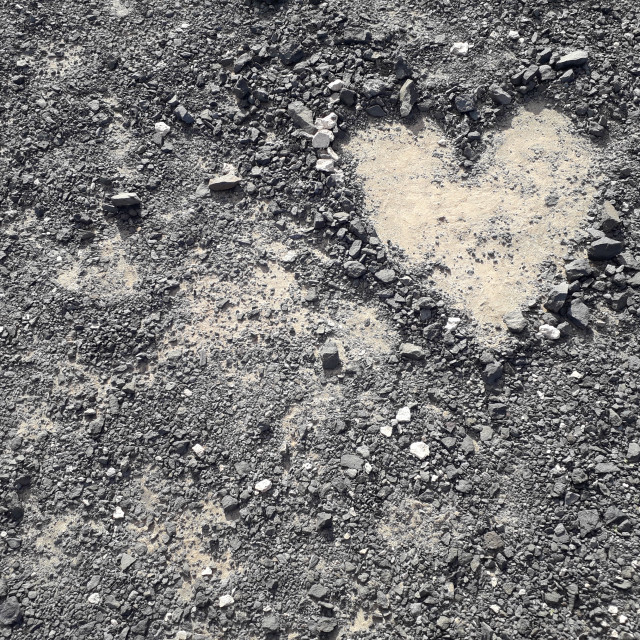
x=34, y=422
x=413, y=524
x=102, y=272
x=362, y=622
x=492, y=233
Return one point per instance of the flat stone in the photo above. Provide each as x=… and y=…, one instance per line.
x=408, y=97
x=351, y=461
x=125, y=199
x=515, y=321
x=354, y=269
x=10, y=612
x=557, y=297
x=605, y=249
x=302, y=117
x=588, y=519
x=492, y=541
x=633, y=452
x=411, y=351
x=579, y=314
x=322, y=139
x=386, y=276
x=404, y=414
x=224, y=183
x=126, y=561
x=574, y=59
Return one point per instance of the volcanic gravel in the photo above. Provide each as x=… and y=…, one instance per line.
x=227, y=408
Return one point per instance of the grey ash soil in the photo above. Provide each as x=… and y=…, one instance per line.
x=180, y=458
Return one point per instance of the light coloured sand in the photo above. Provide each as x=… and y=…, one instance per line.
x=492, y=234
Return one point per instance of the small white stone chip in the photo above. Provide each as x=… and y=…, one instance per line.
x=460, y=48
x=452, y=323
x=549, y=332
x=386, y=430
x=325, y=165
x=336, y=85
x=162, y=128
x=118, y=514
x=404, y=414
x=419, y=449
x=263, y=486
x=225, y=601
x=198, y=449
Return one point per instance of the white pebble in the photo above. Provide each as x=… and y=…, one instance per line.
x=325, y=165
x=263, y=486
x=549, y=332
x=162, y=128
x=225, y=601
x=460, y=48
x=404, y=414
x=118, y=514
x=336, y=85
x=386, y=431
x=452, y=323
x=198, y=449
x=419, y=449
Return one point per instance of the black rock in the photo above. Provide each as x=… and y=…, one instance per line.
x=579, y=314
x=329, y=355
x=465, y=102
x=291, y=53
x=577, y=269
x=492, y=372
x=605, y=249
x=588, y=520
x=557, y=297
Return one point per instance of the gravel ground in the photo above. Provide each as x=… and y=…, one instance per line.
x=229, y=408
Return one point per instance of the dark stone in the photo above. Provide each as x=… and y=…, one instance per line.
x=329, y=355
x=605, y=249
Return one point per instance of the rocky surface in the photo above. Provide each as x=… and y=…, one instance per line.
x=228, y=409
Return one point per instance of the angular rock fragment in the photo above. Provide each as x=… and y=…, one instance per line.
x=408, y=97
x=573, y=59
x=354, y=269
x=329, y=355
x=579, y=314
x=557, y=297
x=419, y=449
x=125, y=199
x=224, y=183
x=605, y=249
x=549, y=332
x=302, y=117
x=577, y=269
x=411, y=351
x=515, y=321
